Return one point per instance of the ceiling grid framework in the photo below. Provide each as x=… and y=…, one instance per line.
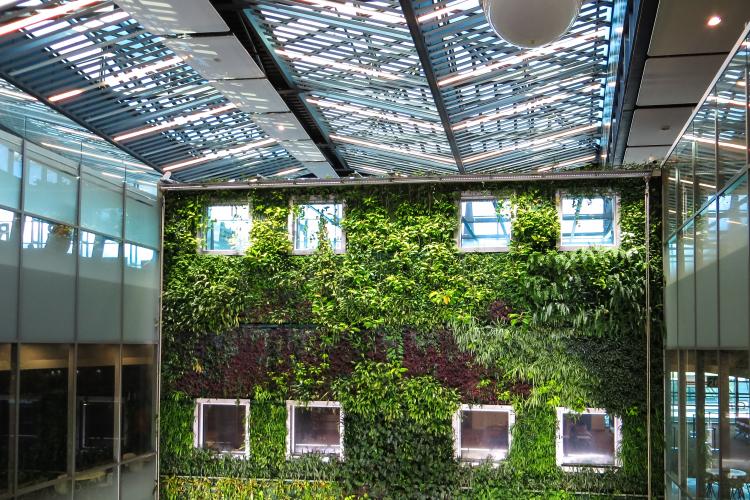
x=380, y=87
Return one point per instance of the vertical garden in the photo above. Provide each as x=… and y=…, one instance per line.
x=400, y=329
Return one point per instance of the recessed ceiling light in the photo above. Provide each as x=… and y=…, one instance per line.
x=713, y=21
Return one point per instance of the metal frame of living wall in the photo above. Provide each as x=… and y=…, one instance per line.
x=28, y=149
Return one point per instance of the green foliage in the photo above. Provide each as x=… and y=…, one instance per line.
x=570, y=334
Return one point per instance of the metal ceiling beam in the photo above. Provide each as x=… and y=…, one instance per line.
x=444, y=179
x=424, y=58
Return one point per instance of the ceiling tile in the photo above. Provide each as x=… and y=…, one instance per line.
x=216, y=57
x=281, y=126
x=677, y=80
x=681, y=28
x=175, y=16
x=645, y=154
x=253, y=96
x=657, y=126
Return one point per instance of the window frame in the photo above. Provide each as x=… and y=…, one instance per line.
x=295, y=203
x=560, y=440
x=203, y=231
x=290, y=444
x=198, y=437
x=487, y=408
x=479, y=196
x=615, y=217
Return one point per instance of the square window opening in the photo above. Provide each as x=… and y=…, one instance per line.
x=485, y=225
x=315, y=428
x=308, y=219
x=227, y=229
x=587, y=439
x=483, y=433
x=221, y=426
x=588, y=221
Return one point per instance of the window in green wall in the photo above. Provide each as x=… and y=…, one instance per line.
x=485, y=224
x=307, y=223
x=227, y=229
x=220, y=425
x=587, y=221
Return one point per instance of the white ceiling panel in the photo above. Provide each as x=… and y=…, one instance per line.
x=164, y=17
x=681, y=28
x=645, y=154
x=253, y=96
x=281, y=126
x=304, y=150
x=677, y=80
x=216, y=57
x=320, y=169
x=657, y=126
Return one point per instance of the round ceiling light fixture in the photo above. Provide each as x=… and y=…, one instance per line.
x=531, y=23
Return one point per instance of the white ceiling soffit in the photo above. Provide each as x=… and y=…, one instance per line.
x=304, y=150
x=216, y=57
x=253, y=96
x=677, y=80
x=645, y=154
x=281, y=126
x=320, y=169
x=657, y=126
x=681, y=28
x=165, y=17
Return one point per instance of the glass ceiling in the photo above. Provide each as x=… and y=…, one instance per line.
x=508, y=109
x=423, y=89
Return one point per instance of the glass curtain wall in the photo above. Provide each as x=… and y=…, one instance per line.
x=79, y=316
x=707, y=295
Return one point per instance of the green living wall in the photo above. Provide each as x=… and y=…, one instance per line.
x=400, y=329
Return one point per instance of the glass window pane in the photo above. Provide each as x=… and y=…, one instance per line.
x=485, y=224
x=141, y=304
x=10, y=234
x=99, y=288
x=138, y=480
x=670, y=292
x=317, y=430
x=223, y=427
x=704, y=130
x=48, y=281
x=10, y=174
x=703, y=446
x=732, y=111
x=736, y=455
x=98, y=484
x=734, y=257
x=672, y=434
x=142, y=219
x=137, y=400
x=685, y=176
x=588, y=439
x=484, y=434
x=50, y=192
x=42, y=412
x=706, y=278
x=227, y=228
x=95, y=405
x=686, y=286
x=5, y=397
x=307, y=226
x=101, y=205
x=587, y=221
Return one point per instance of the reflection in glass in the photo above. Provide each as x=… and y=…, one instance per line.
x=95, y=405
x=706, y=277
x=732, y=110
x=735, y=460
x=704, y=134
x=5, y=399
x=48, y=281
x=138, y=479
x=9, y=235
x=686, y=286
x=50, y=192
x=227, y=228
x=137, y=400
x=587, y=221
x=672, y=433
x=42, y=412
x=10, y=175
x=97, y=484
x=223, y=427
x=142, y=218
x=101, y=205
x=141, y=304
x=484, y=434
x=308, y=222
x=99, y=288
x=483, y=226
x=588, y=439
x=316, y=429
